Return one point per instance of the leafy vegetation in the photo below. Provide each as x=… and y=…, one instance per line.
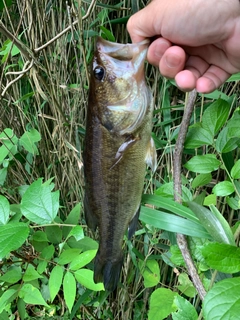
x=46, y=251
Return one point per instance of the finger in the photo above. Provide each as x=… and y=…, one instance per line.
x=172, y=62
x=156, y=50
x=140, y=26
x=212, y=79
x=194, y=68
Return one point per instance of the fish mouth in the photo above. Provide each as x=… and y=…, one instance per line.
x=122, y=51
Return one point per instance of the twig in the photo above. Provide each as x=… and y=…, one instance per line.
x=20, y=73
x=177, y=164
x=92, y=5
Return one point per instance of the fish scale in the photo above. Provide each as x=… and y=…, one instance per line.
x=117, y=146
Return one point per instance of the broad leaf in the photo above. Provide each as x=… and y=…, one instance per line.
x=12, y=236
x=12, y=276
x=85, y=277
x=222, y=257
x=185, y=310
x=82, y=260
x=9, y=144
x=201, y=180
x=31, y=295
x=161, y=304
x=235, y=172
x=197, y=137
x=77, y=233
x=69, y=289
x=55, y=281
x=31, y=274
x=68, y=255
x=4, y=210
x=225, y=142
x=44, y=258
x=223, y=300
x=223, y=188
x=28, y=140
x=203, y=164
x=150, y=271
x=39, y=204
x=8, y=296
x=186, y=286
x=215, y=116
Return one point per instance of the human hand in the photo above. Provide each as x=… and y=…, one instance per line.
x=195, y=42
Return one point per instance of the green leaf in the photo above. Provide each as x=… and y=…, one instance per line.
x=169, y=205
x=12, y=276
x=55, y=281
x=211, y=199
x=215, y=116
x=223, y=188
x=31, y=295
x=8, y=296
x=45, y=256
x=223, y=300
x=69, y=289
x=213, y=222
x=161, y=304
x=84, y=244
x=28, y=141
x=222, y=257
x=9, y=141
x=68, y=255
x=4, y=210
x=185, y=310
x=235, y=171
x=186, y=286
x=150, y=271
x=198, y=137
x=225, y=143
x=40, y=236
x=77, y=233
x=54, y=234
x=73, y=218
x=3, y=175
x=39, y=204
x=108, y=34
x=201, y=180
x=82, y=260
x=166, y=190
x=31, y=274
x=203, y=164
x=170, y=222
x=85, y=278
x=12, y=236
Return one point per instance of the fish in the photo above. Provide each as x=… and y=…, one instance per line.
x=118, y=145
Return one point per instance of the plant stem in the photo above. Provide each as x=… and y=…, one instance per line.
x=177, y=164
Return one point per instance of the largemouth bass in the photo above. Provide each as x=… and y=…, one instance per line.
x=118, y=145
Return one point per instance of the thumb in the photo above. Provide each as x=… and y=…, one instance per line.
x=144, y=23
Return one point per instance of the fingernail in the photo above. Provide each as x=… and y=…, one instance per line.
x=172, y=60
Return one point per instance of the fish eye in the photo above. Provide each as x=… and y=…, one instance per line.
x=99, y=73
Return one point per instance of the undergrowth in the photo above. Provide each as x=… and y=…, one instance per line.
x=46, y=250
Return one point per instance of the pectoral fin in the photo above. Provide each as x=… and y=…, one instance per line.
x=129, y=142
x=151, y=156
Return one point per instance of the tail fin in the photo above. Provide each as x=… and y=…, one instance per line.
x=108, y=271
